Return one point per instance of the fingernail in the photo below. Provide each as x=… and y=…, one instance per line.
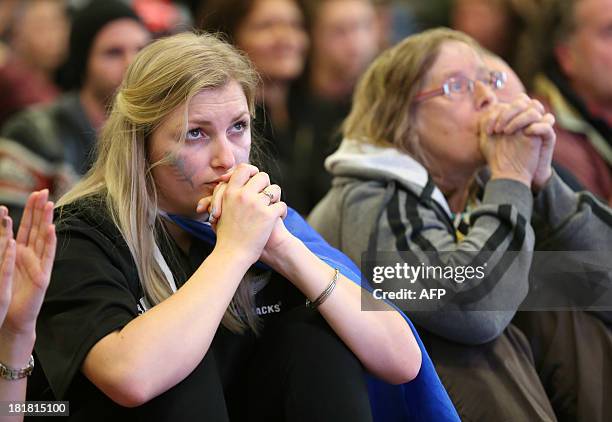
x=5, y=222
x=212, y=211
x=211, y=217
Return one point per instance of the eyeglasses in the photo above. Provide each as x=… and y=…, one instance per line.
x=459, y=85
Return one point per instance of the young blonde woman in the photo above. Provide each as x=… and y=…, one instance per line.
x=146, y=319
x=434, y=164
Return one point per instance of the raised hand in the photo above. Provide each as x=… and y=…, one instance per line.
x=7, y=254
x=35, y=251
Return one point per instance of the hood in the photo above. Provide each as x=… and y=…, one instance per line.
x=362, y=160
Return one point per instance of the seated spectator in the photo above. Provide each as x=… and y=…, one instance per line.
x=37, y=41
x=515, y=30
x=576, y=87
x=490, y=22
x=395, y=20
x=51, y=147
x=153, y=314
x=25, y=269
x=344, y=40
x=272, y=34
x=433, y=164
x=7, y=10
x=343, y=43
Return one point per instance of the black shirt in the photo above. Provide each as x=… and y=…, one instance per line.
x=95, y=290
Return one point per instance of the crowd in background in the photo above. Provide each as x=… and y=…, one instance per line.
x=62, y=60
x=309, y=54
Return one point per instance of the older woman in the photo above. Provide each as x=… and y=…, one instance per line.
x=432, y=163
x=146, y=319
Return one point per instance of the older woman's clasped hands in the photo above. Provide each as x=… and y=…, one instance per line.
x=517, y=141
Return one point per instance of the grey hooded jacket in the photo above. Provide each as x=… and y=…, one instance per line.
x=385, y=200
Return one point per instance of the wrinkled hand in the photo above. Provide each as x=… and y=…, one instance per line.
x=244, y=218
x=34, y=251
x=511, y=139
x=545, y=131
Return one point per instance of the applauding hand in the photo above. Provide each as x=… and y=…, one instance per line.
x=26, y=264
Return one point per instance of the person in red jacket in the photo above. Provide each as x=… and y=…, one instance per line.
x=576, y=87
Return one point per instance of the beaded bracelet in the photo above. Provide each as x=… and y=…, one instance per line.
x=323, y=296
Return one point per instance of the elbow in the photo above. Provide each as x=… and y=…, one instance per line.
x=408, y=369
x=403, y=365
x=123, y=376
x=128, y=396
x=485, y=330
x=472, y=328
x=128, y=393
x=122, y=387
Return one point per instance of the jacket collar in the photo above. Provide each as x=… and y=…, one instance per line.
x=360, y=159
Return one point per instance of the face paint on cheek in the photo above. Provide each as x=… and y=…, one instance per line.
x=181, y=168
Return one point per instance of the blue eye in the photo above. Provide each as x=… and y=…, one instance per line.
x=194, y=134
x=240, y=126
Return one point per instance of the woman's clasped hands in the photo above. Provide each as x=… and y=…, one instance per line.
x=246, y=212
x=517, y=141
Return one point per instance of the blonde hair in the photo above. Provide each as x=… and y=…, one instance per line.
x=164, y=76
x=383, y=101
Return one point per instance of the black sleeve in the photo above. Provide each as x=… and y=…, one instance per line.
x=92, y=293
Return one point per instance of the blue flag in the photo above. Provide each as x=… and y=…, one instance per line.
x=422, y=399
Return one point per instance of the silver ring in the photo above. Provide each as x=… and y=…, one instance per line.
x=269, y=194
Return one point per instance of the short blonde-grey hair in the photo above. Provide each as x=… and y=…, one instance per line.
x=383, y=101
